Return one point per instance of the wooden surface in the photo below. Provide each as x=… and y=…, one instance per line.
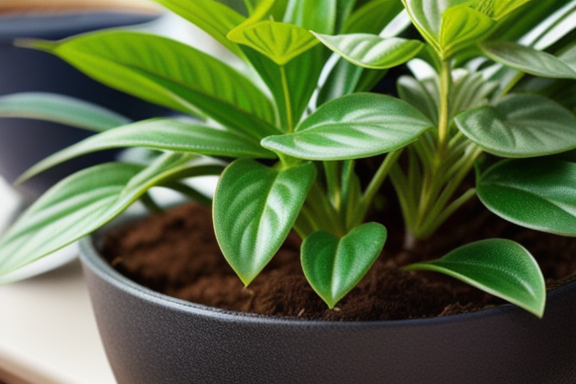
x=12, y=6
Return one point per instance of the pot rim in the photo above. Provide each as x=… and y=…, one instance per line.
x=92, y=259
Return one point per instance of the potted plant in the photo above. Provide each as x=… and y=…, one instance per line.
x=295, y=142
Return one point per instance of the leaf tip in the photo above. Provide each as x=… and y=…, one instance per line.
x=43, y=45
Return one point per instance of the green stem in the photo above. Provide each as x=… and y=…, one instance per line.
x=443, y=118
x=377, y=181
x=287, y=102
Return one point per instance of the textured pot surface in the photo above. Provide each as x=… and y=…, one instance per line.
x=152, y=338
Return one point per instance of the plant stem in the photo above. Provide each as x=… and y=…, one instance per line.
x=377, y=181
x=287, y=102
x=443, y=117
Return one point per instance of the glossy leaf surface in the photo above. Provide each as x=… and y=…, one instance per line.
x=161, y=134
x=82, y=203
x=334, y=266
x=213, y=17
x=255, y=207
x=529, y=60
x=372, y=17
x=500, y=267
x=317, y=15
x=60, y=109
x=461, y=26
x=371, y=51
x=535, y=193
x=185, y=79
x=353, y=126
x=280, y=42
x=520, y=126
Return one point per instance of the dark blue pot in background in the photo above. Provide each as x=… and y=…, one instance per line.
x=23, y=142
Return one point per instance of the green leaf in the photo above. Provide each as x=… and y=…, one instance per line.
x=461, y=27
x=520, y=126
x=504, y=8
x=185, y=79
x=353, y=126
x=371, y=51
x=372, y=16
x=82, y=203
x=213, y=17
x=528, y=60
x=537, y=193
x=60, y=109
x=427, y=17
x=334, y=266
x=255, y=207
x=280, y=42
x=318, y=15
x=161, y=134
x=500, y=267
x=423, y=94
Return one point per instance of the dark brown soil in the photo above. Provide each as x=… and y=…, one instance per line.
x=176, y=253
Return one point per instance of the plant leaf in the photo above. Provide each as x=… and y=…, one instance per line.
x=504, y=8
x=427, y=17
x=280, y=42
x=371, y=51
x=537, y=193
x=500, y=267
x=423, y=95
x=60, y=109
x=185, y=79
x=161, y=134
x=255, y=207
x=82, y=203
x=213, y=17
x=528, y=60
x=318, y=15
x=462, y=26
x=334, y=266
x=520, y=126
x=353, y=126
x=372, y=16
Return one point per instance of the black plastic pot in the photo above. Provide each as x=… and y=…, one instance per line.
x=153, y=338
x=24, y=142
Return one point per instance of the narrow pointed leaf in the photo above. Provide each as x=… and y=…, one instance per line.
x=60, y=109
x=461, y=27
x=255, y=207
x=280, y=42
x=353, y=126
x=213, y=17
x=334, y=266
x=423, y=95
x=161, y=134
x=185, y=79
x=537, y=193
x=371, y=51
x=520, y=126
x=500, y=267
x=82, y=203
x=528, y=60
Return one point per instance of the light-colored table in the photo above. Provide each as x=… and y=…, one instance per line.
x=48, y=334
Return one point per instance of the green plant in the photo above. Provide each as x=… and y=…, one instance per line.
x=295, y=139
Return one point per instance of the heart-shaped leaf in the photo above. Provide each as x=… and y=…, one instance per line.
x=529, y=60
x=280, y=42
x=83, y=202
x=462, y=26
x=371, y=51
x=186, y=79
x=162, y=134
x=535, y=193
x=520, y=126
x=60, y=109
x=427, y=17
x=351, y=127
x=500, y=267
x=334, y=266
x=255, y=207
